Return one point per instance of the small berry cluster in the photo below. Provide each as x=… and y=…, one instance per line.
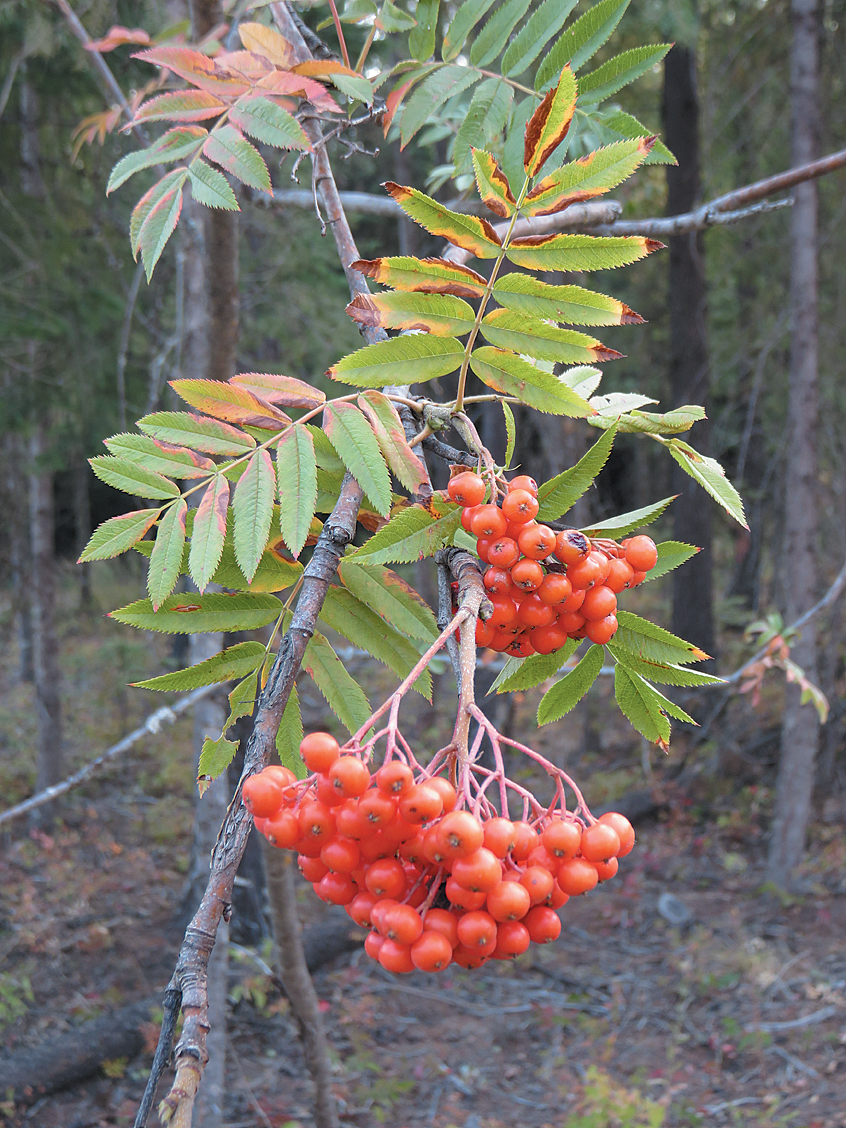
x=436, y=883
x=536, y=609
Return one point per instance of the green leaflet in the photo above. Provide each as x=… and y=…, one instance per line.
x=562, y=492
x=583, y=380
x=625, y=523
x=355, y=621
x=421, y=39
x=467, y=15
x=445, y=83
x=233, y=663
x=173, y=462
x=199, y=614
x=166, y=557
x=242, y=699
x=710, y=475
x=567, y=693
x=181, y=105
x=384, y=592
x=215, y=758
x=616, y=124
x=177, y=143
x=671, y=554
x=510, y=433
x=484, y=121
x=388, y=429
x=269, y=123
x=160, y=222
x=410, y=535
x=343, y=694
x=579, y=252
x=523, y=333
x=208, y=435
x=495, y=34
x=118, y=534
x=296, y=474
x=289, y=736
x=253, y=511
x=581, y=40
x=526, y=673
x=585, y=179
x=665, y=673
x=572, y=305
x=645, y=707
x=651, y=423
x=209, y=532
x=411, y=359
x=528, y=43
x=133, y=479
x=273, y=572
x=229, y=148
x=619, y=72
x=467, y=231
x=647, y=640
x=440, y=314
x=352, y=437
x=176, y=177
x=210, y=187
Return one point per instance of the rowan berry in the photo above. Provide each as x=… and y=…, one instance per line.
x=606, y=870
x=571, y=621
x=624, y=829
x=503, y=552
x=262, y=795
x=546, y=640
x=571, y=546
x=434, y=848
x=395, y=957
x=504, y=609
x=375, y=846
x=467, y=489
x=603, y=562
x=600, y=842
x=601, y=631
x=394, y=778
x=326, y=793
x=468, y=958
x=539, y=882
x=576, y=875
x=460, y=834
x=484, y=633
x=372, y=944
x=402, y=923
x=520, y=506
x=477, y=931
x=537, y=542
x=584, y=574
x=319, y=750
x=512, y=939
x=316, y=821
x=637, y=579
x=312, y=869
x=599, y=602
x=525, y=840
x=562, y=838
x=350, y=777
x=282, y=830
x=444, y=922
x=360, y=907
x=641, y=553
x=377, y=913
x=523, y=482
x=533, y=612
x=336, y=888
x=501, y=640
x=421, y=803
x=497, y=580
x=479, y=871
x=527, y=574
x=465, y=898
x=467, y=518
x=509, y=900
x=557, y=898
x=286, y=778
x=554, y=589
x=386, y=878
x=619, y=575
x=498, y=835
x=350, y=821
x=488, y=521
x=574, y=601
x=341, y=855
x=446, y=791
x=377, y=808
x=543, y=924
x=520, y=647
x=431, y=952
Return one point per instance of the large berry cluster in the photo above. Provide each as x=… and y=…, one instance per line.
x=545, y=587
x=436, y=883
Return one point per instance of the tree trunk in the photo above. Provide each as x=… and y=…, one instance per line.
x=43, y=602
x=693, y=613
x=800, y=726
x=17, y=525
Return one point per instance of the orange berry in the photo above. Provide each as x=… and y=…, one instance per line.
x=509, y=900
x=319, y=750
x=350, y=777
x=446, y=791
x=377, y=808
x=543, y=923
x=467, y=489
x=402, y=923
x=619, y=575
x=282, y=830
x=372, y=944
x=524, y=482
x=576, y=875
x=336, y=888
x=600, y=842
x=571, y=546
x=512, y=939
x=395, y=957
x=484, y=633
x=606, y=870
x=601, y=631
x=477, y=931
x=641, y=553
x=497, y=580
x=525, y=840
x=386, y=878
x=460, y=834
x=341, y=855
x=520, y=506
x=503, y=552
x=465, y=898
x=527, y=574
x=624, y=829
x=395, y=778
x=431, y=952
x=467, y=518
x=262, y=795
x=498, y=835
x=520, y=647
x=444, y=922
x=421, y=803
x=537, y=542
x=479, y=871
x=360, y=907
x=312, y=869
x=546, y=640
x=488, y=521
x=562, y=838
x=538, y=881
x=554, y=589
x=599, y=602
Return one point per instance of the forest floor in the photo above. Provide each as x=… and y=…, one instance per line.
x=733, y=1015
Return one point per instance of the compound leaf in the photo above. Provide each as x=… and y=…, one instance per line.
x=253, y=511
x=567, y=693
x=579, y=252
x=496, y=32
x=523, y=333
x=411, y=534
x=671, y=554
x=581, y=40
x=352, y=437
x=118, y=534
x=588, y=177
x=710, y=475
x=166, y=558
x=442, y=315
x=210, y=187
x=619, y=72
x=199, y=614
x=289, y=736
x=269, y=123
x=228, y=147
x=445, y=83
x=390, y=434
x=647, y=640
x=229, y=665
x=528, y=43
x=296, y=475
x=492, y=184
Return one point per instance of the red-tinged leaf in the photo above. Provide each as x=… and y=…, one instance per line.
x=390, y=434
x=588, y=177
x=230, y=402
x=268, y=43
x=166, y=558
x=274, y=388
x=246, y=63
x=298, y=86
x=178, y=143
x=424, y=276
x=164, y=458
x=548, y=125
x=579, y=252
x=160, y=223
x=118, y=534
x=210, y=187
x=571, y=305
x=117, y=36
x=253, y=509
x=148, y=201
x=269, y=123
x=197, y=69
x=352, y=437
x=391, y=598
x=296, y=473
x=392, y=102
x=228, y=147
x=180, y=105
x=493, y=185
x=442, y=315
x=466, y=231
x=209, y=532
x=208, y=435
x=530, y=336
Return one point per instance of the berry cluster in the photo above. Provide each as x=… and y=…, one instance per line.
x=545, y=587
x=436, y=883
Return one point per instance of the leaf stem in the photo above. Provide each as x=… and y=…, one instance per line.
x=480, y=313
x=508, y=81
x=365, y=51
x=340, y=32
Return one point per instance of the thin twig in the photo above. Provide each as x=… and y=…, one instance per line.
x=123, y=346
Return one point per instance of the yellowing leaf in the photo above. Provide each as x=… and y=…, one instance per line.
x=184, y=429
x=579, y=252
x=230, y=402
x=548, y=125
x=525, y=334
x=197, y=68
x=411, y=359
x=588, y=177
x=426, y=276
x=390, y=434
x=268, y=43
x=572, y=305
x=467, y=231
x=440, y=315
x=512, y=376
x=492, y=183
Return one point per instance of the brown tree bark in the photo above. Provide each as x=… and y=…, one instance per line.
x=800, y=725
x=693, y=615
